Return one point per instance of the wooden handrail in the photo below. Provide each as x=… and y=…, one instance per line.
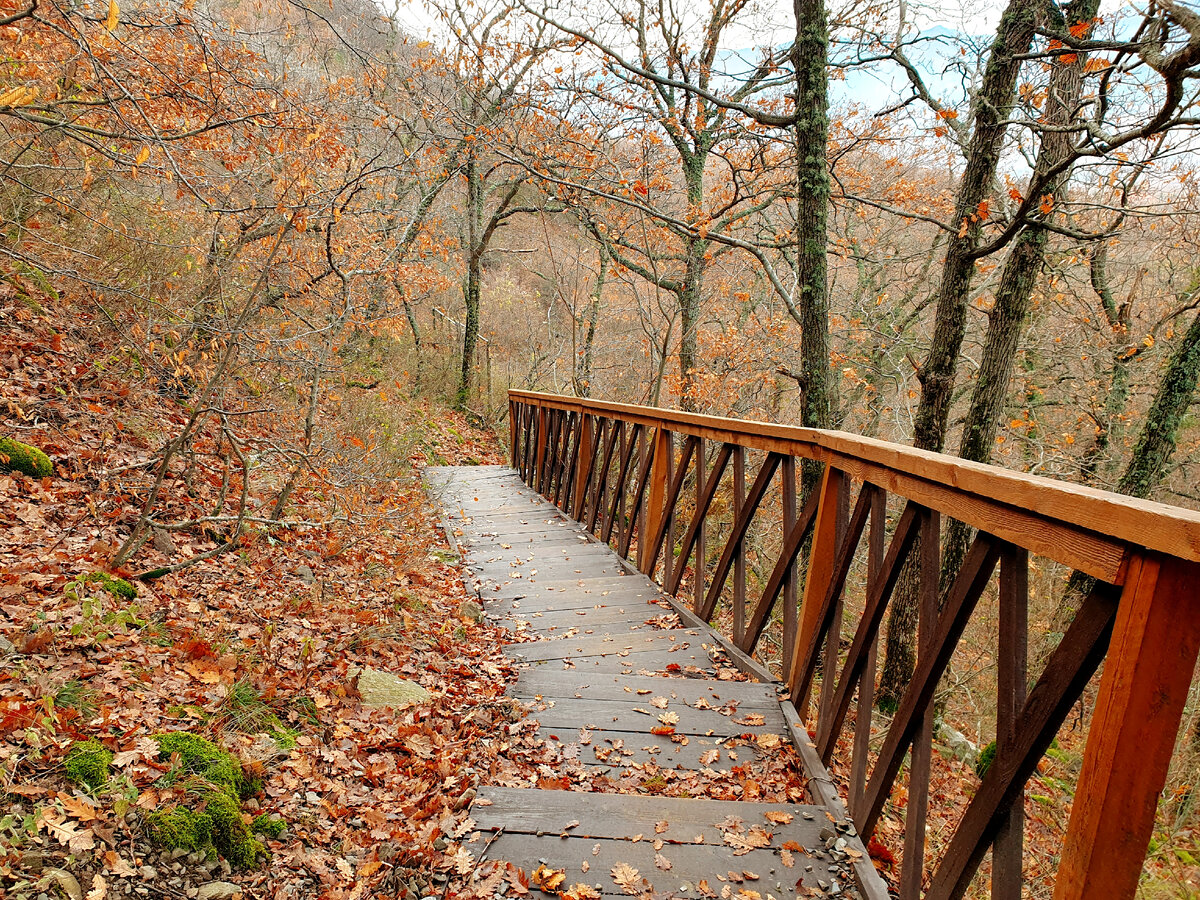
x=1079, y=526
x=618, y=469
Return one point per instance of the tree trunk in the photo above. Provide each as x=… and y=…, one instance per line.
x=690, y=294
x=472, y=280
x=1014, y=37
x=583, y=377
x=818, y=395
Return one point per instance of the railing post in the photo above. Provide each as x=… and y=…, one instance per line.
x=659, y=473
x=539, y=459
x=584, y=466
x=1147, y=672
x=820, y=574
x=512, y=431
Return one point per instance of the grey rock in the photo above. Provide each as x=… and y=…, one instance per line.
x=163, y=542
x=380, y=689
x=148, y=873
x=469, y=609
x=6, y=646
x=305, y=574
x=218, y=890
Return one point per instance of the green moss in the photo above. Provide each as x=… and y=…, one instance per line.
x=18, y=457
x=229, y=833
x=267, y=825
x=118, y=587
x=87, y=764
x=180, y=829
x=984, y=761
x=205, y=759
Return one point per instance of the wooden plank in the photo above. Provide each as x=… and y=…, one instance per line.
x=689, y=863
x=639, y=715
x=676, y=641
x=538, y=681
x=1155, y=641
x=655, y=513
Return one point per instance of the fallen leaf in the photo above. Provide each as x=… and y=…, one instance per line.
x=661, y=862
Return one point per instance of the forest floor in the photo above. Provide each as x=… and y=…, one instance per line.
x=267, y=652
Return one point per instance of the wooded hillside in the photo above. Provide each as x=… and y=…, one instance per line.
x=260, y=259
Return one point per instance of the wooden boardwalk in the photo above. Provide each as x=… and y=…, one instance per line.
x=611, y=661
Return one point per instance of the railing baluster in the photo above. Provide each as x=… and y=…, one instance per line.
x=1156, y=639
x=1067, y=673
x=739, y=558
x=792, y=541
x=540, y=456
x=588, y=438
x=790, y=593
x=912, y=870
x=805, y=658
x=660, y=478
x=821, y=559
x=738, y=533
x=615, y=426
x=670, y=498
x=866, y=684
x=704, y=498
x=872, y=617
x=701, y=517
x=617, y=505
x=637, y=505
x=1012, y=652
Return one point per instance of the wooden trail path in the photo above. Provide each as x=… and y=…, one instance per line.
x=608, y=642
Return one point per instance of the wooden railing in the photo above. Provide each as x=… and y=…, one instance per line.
x=622, y=471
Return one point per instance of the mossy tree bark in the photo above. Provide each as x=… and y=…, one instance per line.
x=1014, y=295
x=993, y=104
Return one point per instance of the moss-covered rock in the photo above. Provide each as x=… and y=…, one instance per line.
x=201, y=757
x=87, y=764
x=983, y=762
x=18, y=457
x=216, y=777
x=179, y=828
x=230, y=833
x=118, y=587
x=266, y=824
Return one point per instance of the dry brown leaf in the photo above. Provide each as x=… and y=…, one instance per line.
x=546, y=879
x=580, y=891
x=627, y=878
x=660, y=827
x=661, y=862
x=659, y=702
x=779, y=817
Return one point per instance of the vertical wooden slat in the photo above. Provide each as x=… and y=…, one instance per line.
x=866, y=685
x=670, y=498
x=637, y=508
x=583, y=474
x=599, y=505
x=704, y=500
x=833, y=639
x=737, y=534
x=660, y=473
x=701, y=515
x=739, y=559
x=790, y=592
x=913, y=866
x=1066, y=674
x=820, y=574
x=543, y=420
x=1155, y=641
x=1012, y=654
x=617, y=505
x=669, y=556
x=512, y=432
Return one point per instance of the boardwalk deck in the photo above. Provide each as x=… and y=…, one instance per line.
x=607, y=642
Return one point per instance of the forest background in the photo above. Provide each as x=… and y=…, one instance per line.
x=977, y=236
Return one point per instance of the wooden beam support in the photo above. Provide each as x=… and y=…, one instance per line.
x=1151, y=657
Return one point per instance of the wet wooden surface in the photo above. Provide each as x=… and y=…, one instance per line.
x=607, y=661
